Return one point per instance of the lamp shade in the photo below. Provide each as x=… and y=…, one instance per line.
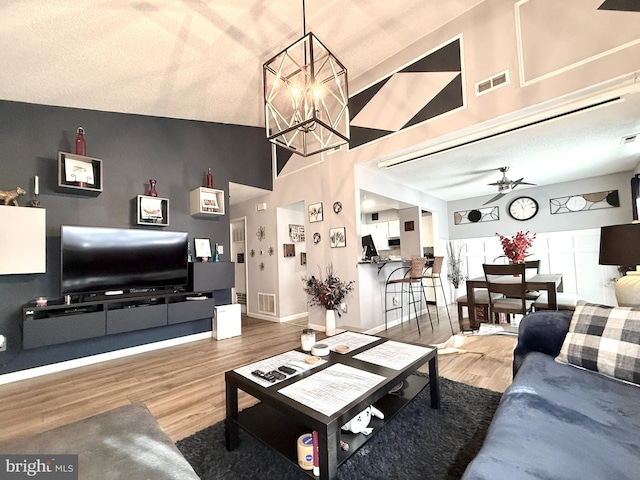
x=620, y=245
x=306, y=98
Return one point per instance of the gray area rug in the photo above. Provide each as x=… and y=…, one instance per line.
x=419, y=443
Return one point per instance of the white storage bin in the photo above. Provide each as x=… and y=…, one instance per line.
x=226, y=321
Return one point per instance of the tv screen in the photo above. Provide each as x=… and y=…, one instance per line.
x=108, y=260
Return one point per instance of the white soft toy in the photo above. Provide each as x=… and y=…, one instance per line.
x=359, y=423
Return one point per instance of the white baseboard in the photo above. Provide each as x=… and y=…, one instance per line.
x=102, y=357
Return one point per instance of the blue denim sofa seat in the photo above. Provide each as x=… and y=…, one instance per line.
x=557, y=421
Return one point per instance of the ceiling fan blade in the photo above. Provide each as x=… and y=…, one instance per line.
x=497, y=197
x=520, y=182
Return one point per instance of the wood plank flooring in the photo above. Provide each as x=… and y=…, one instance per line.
x=183, y=386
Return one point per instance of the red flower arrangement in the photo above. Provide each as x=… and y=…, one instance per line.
x=515, y=247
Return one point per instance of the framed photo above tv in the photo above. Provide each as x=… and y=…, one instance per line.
x=80, y=173
x=152, y=211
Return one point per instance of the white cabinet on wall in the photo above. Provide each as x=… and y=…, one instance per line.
x=394, y=229
x=23, y=240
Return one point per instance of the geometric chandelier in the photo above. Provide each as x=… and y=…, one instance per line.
x=306, y=97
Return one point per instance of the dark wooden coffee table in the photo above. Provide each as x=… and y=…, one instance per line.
x=278, y=420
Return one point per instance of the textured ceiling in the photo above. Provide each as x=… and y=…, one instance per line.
x=191, y=59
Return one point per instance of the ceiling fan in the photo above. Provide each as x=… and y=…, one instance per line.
x=505, y=185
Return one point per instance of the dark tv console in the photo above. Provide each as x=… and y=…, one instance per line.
x=59, y=323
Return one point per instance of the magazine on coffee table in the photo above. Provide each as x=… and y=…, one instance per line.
x=351, y=340
x=332, y=388
x=391, y=354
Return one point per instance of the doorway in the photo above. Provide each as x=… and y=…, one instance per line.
x=238, y=242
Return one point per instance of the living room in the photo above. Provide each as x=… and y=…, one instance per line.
x=176, y=151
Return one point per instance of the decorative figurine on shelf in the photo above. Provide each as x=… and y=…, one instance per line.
x=81, y=144
x=10, y=197
x=152, y=188
x=216, y=255
x=209, y=179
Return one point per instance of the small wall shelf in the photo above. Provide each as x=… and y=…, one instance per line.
x=79, y=173
x=204, y=202
x=152, y=211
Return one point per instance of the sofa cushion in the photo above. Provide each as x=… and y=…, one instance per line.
x=604, y=339
x=557, y=422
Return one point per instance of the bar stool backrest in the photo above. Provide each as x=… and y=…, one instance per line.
x=417, y=265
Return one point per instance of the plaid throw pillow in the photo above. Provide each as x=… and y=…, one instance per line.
x=604, y=339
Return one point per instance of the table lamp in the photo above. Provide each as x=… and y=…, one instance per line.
x=620, y=245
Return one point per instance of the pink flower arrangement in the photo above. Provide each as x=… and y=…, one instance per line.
x=515, y=247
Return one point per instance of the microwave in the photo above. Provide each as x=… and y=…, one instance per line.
x=394, y=242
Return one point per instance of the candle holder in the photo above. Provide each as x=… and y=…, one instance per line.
x=35, y=202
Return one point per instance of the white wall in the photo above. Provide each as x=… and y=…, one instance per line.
x=292, y=299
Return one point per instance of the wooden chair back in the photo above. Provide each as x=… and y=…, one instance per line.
x=508, y=280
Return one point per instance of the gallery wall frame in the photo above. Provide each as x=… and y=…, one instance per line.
x=584, y=201
x=477, y=215
x=338, y=237
x=152, y=211
x=81, y=173
x=316, y=213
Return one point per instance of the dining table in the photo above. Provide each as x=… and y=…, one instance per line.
x=550, y=282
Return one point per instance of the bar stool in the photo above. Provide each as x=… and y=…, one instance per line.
x=433, y=273
x=407, y=284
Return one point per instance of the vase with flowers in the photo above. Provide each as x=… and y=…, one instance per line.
x=328, y=293
x=516, y=247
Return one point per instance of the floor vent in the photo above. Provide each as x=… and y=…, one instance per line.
x=492, y=83
x=267, y=303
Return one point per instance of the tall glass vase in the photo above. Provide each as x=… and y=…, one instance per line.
x=330, y=322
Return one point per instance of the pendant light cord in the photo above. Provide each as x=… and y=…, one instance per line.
x=304, y=20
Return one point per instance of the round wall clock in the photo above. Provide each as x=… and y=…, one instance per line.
x=523, y=208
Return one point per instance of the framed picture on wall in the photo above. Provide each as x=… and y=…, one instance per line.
x=315, y=213
x=338, y=237
x=152, y=211
x=79, y=172
x=202, y=247
x=289, y=250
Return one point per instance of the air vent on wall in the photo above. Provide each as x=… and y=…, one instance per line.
x=492, y=83
x=628, y=139
x=267, y=303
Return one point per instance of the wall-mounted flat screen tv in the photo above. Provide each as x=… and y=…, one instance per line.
x=117, y=260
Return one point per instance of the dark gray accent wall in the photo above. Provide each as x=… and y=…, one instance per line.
x=133, y=148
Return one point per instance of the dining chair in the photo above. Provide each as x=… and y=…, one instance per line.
x=432, y=273
x=481, y=302
x=510, y=281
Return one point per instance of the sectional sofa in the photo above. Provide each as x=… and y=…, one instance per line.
x=573, y=409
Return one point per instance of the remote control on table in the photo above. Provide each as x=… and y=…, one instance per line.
x=265, y=376
x=287, y=370
x=278, y=375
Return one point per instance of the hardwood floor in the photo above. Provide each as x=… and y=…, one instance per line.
x=183, y=386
